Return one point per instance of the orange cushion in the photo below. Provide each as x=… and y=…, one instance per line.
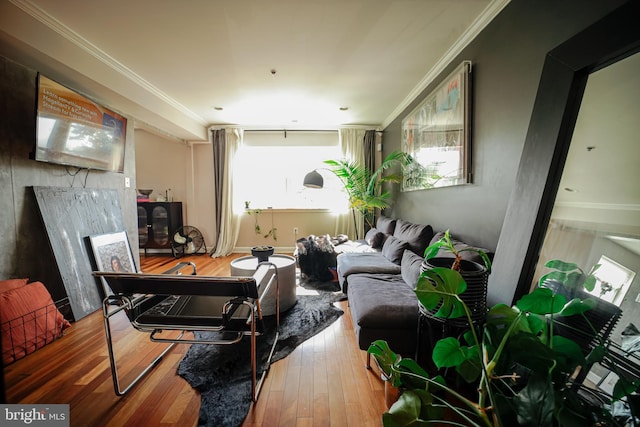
x=9, y=284
x=29, y=320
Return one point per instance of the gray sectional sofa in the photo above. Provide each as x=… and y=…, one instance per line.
x=379, y=279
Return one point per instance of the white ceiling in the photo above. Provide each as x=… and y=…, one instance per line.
x=169, y=64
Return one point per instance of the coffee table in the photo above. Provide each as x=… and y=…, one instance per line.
x=247, y=265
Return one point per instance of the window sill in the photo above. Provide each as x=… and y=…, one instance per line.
x=294, y=210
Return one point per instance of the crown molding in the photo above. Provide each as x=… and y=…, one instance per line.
x=85, y=45
x=487, y=15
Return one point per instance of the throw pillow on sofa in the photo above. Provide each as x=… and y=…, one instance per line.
x=410, y=267
x=393, y=249
x=375, y=238
x=385, y=225
x=417, y=236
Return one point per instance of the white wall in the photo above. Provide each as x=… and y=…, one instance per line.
x=200, y=202
x=161, y=164
x=188, y=170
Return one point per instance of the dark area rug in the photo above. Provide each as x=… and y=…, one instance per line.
x=326, y=286
x=222, y=373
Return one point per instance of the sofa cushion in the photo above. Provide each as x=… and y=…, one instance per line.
x=385, y=225
x=393, y=249
x=364, y=262
x=382, y=301
x=417, y=236
x=410, y=267
x=375, y=238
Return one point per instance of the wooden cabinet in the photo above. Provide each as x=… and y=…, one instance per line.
x=157, y=222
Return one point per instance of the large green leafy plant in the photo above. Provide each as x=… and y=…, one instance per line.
x=520, y=368
x=364, y=187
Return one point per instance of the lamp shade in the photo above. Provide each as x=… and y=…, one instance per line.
x=313, y=180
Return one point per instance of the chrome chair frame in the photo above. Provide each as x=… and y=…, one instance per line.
x=137, y=293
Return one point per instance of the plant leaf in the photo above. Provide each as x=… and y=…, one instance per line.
x=590, y=283
x=535, y=403
x=542, y=301
x=568, y=354
x=596, y=355
x=432, y=250
x=448, y=353
x=527, y=350
x=471, y=367
x=560, y=265
x=405, y=411
x=418, y=379
x=577, y=306
x=554, y=275
x=624, y=388
x=439, y=287
x=575, y=280
x=385, y=359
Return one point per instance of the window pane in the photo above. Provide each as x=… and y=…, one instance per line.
x=269, y=175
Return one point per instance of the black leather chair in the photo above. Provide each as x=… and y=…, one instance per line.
x=157, y=303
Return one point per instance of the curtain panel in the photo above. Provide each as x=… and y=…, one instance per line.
x=351, y=142
x=225, y=146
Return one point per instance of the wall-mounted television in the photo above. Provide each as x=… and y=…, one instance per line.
x=75, y=131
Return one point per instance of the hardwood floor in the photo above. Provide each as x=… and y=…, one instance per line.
x=322, y=383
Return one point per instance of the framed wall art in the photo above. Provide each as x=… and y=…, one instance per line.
x=112, y=253
x=436, y=135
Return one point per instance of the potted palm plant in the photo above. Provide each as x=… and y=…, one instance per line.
x=522, y=370
x=364, y=187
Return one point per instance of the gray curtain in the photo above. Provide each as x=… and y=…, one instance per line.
x=369, y=143
x=219, y=150
x=370, y=149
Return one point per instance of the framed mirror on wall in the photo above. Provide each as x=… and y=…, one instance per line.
x=596, y=212
x=565, y=74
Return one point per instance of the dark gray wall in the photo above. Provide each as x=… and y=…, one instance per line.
x=507, y=62
x=25, y=248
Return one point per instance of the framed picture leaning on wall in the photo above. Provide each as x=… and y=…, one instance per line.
x=112, y=252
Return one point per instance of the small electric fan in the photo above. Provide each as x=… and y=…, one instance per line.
x=187, y=240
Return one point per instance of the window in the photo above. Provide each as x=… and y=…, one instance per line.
x=270, y=167
x=612, y=280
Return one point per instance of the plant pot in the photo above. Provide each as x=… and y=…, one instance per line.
x=475, y=297
x=262, y=253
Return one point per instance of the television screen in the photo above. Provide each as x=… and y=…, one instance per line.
x=75, y=131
